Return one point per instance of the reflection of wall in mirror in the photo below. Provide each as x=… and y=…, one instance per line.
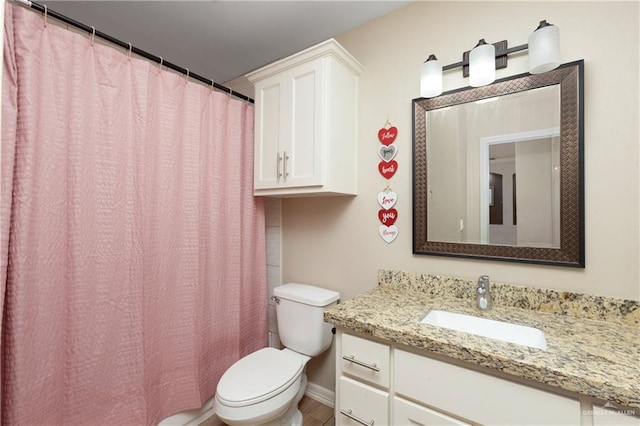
x=520, y=112
x=536, y=188
x=446, y=174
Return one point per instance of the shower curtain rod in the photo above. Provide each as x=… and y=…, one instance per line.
x=128, y=46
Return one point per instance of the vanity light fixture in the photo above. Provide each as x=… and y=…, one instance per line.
x=544, y=48
x=481, y=62
x=431, y=77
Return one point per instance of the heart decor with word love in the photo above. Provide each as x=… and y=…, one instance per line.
x=388, y=168
x=388, y=217
x=387, y=199
x=387, y=152
x=388, y=233
x=387, y=135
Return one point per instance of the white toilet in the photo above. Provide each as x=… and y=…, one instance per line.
x=266, y=386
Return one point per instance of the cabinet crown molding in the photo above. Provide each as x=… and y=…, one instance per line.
x=327, y=48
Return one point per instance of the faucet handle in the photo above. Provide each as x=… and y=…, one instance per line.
x=483, y=281
x=483, y=297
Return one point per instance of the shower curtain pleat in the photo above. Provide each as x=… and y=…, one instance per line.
x=133, y=253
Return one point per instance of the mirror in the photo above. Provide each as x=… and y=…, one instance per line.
x=498, y=170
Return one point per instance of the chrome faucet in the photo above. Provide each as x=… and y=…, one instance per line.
x=483, y=296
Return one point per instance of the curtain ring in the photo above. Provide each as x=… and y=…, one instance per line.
x=161, y=61
x=45, y=15
x=187, y=77
x=130, y=47
x=93, y=34
x=212, y=86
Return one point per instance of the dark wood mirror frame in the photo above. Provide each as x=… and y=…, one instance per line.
x=571, y=253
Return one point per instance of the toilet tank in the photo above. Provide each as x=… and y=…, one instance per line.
x=300, y=309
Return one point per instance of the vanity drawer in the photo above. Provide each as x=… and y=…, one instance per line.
x=408, y=413
x=362, y=404
x=478, y=396
x=365, y=360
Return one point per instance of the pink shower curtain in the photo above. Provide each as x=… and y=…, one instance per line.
x=133, y=252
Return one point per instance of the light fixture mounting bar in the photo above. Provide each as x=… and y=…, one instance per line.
x=501, y=57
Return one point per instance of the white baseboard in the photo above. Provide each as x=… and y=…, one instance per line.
x=321, y=394
x=190, y=417
x=197, y=416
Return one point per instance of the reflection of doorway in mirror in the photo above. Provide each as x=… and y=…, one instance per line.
x=495, y=198
x=502, y=163
x=534, y=158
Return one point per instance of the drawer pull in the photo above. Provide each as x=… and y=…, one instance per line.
x=352, y=359
x=356, y=419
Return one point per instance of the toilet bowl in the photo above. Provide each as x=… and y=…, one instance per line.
x=266, y=386
x=261, y=387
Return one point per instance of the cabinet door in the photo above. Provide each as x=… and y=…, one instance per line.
x=361, y=404
x=303, y=149
x=408, y=413
x=478, y=396
x=269, y=132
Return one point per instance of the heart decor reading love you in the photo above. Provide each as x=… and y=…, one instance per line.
x=386, y=136
x=388, y=230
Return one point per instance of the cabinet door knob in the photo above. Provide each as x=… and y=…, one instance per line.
x=356, y=419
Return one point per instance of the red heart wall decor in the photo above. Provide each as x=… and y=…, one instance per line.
x=387, y=136
x=388, y=168
x=388, y=217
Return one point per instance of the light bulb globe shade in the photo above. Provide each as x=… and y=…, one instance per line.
x=544, y=49
x=431, y=78
x=482, y=65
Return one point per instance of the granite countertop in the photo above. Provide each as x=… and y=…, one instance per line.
x=599, y=358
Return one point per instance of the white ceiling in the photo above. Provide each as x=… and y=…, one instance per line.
x=221, y=40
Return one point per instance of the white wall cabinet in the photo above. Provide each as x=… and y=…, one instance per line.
x=305, y=123
x=392, y=386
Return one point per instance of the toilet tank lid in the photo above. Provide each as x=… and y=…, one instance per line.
x=308, y=294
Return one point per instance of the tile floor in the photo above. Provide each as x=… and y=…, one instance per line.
x=314, y=413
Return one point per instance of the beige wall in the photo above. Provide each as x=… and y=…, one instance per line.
x=334, y=242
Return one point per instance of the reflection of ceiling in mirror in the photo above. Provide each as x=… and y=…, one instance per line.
x=502, y=150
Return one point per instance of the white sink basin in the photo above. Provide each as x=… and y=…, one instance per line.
x=513, y=333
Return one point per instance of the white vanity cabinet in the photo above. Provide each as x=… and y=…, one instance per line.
x=392, y=385
x=305, y=123
x=364, y=396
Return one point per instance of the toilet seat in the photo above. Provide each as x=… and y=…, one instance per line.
x=258, y=377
